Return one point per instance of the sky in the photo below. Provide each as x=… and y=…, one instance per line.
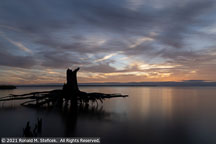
x=111, y=41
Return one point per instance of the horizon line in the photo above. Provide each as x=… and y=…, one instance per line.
x=149, y=83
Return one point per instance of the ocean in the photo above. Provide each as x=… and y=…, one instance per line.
x=159, y=115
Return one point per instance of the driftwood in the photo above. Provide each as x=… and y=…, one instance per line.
x=70, y=92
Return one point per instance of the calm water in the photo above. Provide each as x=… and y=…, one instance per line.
x=149, y=115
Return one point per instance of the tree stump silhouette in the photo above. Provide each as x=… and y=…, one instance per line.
x=70, y=92
x=71, y=89
x=72, y=80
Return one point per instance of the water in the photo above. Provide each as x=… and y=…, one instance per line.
x=149, y=115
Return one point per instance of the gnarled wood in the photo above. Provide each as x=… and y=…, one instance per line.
x=70, y=92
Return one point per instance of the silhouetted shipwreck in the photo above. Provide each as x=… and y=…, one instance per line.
x=70, y=92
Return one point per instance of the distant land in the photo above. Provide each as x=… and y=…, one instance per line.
x=169, y=83
x=4, y=87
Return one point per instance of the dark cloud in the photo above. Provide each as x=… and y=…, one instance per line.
x=101, y=68
x=55, y=59
x=179, y=21
x=7, y=59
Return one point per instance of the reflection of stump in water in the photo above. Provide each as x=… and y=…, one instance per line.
x=70, y=116
x=70, y=92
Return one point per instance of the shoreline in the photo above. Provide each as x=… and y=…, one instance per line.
x=6, y=87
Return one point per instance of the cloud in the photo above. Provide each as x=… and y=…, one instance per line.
x=106, y=57
x=9, y=27
x=97, y=35
x=7, y=59
x=100, y=68
x=17, y=44
x=139, y=41
x=20, y=46
x=52, y=59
